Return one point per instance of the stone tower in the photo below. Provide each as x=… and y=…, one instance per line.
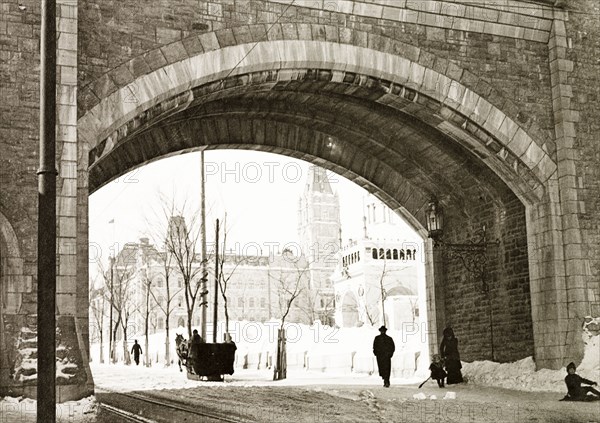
x=318, y=230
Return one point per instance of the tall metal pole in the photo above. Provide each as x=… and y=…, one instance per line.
x=203, y=296
x=111, y=262
x=216, y=304
x=46, y=251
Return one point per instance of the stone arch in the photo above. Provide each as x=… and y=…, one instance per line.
x=467, y=117
x=9, y=240
x=11, y=283
x=137, y=117
x=11, y=268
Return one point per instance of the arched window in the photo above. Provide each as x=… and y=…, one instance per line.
x=408, y=255
x=395, y=254
x=374, y=253
x=181, y=322
x=358, y=256
x=401, y=254
x=381, y=253
x=388, y=254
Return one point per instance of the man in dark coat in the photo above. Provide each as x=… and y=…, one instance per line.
x=136, y=350
x=383, y=348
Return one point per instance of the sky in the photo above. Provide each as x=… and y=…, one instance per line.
x=259, y=191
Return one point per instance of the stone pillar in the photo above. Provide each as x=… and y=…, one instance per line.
x=72, y=209
x=436, y=307
x=558, y=271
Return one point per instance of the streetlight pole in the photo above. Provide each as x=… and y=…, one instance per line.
x=203, y=298
x=46, y=244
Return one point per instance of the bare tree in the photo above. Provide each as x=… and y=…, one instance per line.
x=166, y=308
x=371, y=311
x=414, y=309
x=130, y=306
x=289, y=286
x=98, y=307
x=379, y=291
x=160, y=226
x=224, y=277
x=316, y=305
x=122, y=298
x=181, y=242
x=150, y=306
x=108, y=285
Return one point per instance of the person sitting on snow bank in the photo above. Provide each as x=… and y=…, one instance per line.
x=576, y=391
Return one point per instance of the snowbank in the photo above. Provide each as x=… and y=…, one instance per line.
x=318, y=347
x=348, y=352
x=522, y=375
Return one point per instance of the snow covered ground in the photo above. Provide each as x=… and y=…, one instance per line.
x=520, y=375
x=17, y=410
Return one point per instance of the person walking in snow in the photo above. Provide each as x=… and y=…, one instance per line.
x=383, y=348
x=136, y=350
x=576, y=392
x=451, y=357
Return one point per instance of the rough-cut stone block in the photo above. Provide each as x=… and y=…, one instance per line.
x=367, y=9
x=174, y=52
x=155, y=59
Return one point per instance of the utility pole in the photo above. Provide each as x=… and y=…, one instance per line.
x=111, y=263
x=216, y=304
x=204, y=291
x=46, y=244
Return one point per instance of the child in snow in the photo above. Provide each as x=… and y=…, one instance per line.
x=576, y=391
x=437, y=370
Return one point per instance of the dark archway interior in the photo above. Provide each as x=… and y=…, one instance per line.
x=345, y=126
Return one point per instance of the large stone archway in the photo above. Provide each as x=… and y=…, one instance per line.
x=402, y=130
x=490, y=109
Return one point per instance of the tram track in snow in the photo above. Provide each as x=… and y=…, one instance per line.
x=160, y=403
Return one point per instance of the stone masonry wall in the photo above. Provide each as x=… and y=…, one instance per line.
x=19, y=116
x=467, y=307
x=111, y=36
x=19, y=161
x=583, y=49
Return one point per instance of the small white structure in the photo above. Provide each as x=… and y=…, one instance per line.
x=379, y=275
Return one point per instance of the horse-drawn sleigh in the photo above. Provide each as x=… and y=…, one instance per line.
x=202, y=359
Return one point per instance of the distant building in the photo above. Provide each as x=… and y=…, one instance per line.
x=378, y=274
x=256, y=289
x=319, y=233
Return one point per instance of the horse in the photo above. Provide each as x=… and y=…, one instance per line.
x=181, y=347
